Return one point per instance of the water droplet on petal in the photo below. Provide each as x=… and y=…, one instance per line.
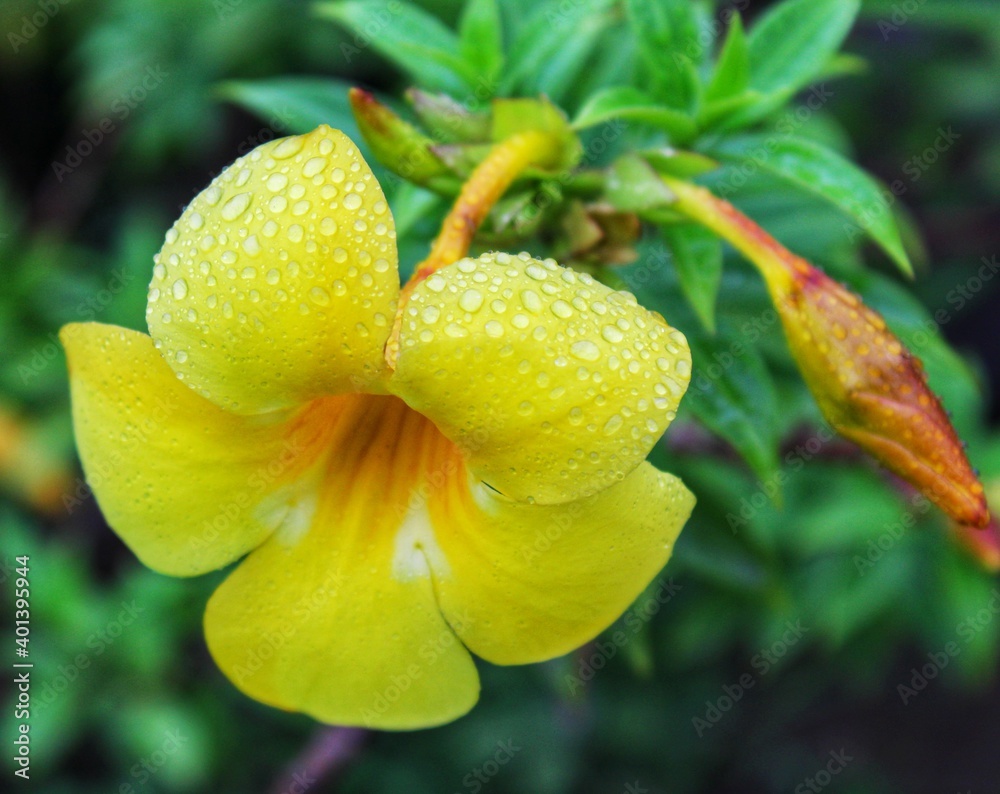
x=319, y=296
x=494, y=329
x=471, y=300
x=586, y=350
x=235, y=207
x=612, y=334
x=180, y=289
x=562, y=309
x=613, y=424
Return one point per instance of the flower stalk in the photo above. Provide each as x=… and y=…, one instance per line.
x=488, y=182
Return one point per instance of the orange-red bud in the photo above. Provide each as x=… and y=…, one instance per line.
x=870, y=388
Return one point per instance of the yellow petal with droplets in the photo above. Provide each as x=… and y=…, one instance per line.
x=188, y=486
x=555, y=386
x=338, y=618
x=527, y=583
x=279, y=281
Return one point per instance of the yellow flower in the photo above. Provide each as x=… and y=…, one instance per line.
x=486, y=492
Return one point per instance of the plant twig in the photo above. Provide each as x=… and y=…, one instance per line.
x=328, y=752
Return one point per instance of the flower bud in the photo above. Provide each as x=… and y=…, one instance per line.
x=873, y=390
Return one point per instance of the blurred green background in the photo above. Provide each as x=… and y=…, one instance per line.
x=777, y=657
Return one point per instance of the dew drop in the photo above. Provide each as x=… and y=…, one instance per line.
x=471, y=300
x=288, y=147
x=313, y=166
x=562, y=309
x=352, y=201
x=235, y=207
x=531, y=300
x=180, y=289
x=494, y=329
x=612, y=334
x=586, y=350
x=319, y=296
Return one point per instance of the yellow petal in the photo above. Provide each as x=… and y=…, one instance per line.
x=554, y=385
x=530, y=582
x=279, y=282
x=339, y=620
x=188, y=486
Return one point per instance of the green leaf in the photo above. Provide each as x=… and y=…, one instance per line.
x=795, y=40
x=669, y=46
x=677, y=162
x=295, y=104
x=732, y=394
x=633, y=186
x=409, y=37
x=481, y=37
x=732, y=72
x=398, y=145
x=822, y=172
x=511, y=116
x=697, y=255
x=447, y=120
x=552, y=47
x=739, y=110
x=626, y=102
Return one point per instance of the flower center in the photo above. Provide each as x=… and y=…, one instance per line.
x=375, y=465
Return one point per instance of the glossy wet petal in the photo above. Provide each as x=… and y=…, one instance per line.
x=530, y=582
x=279, y=282
x=188, y=486
x=338, y=617
x=553, y=385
